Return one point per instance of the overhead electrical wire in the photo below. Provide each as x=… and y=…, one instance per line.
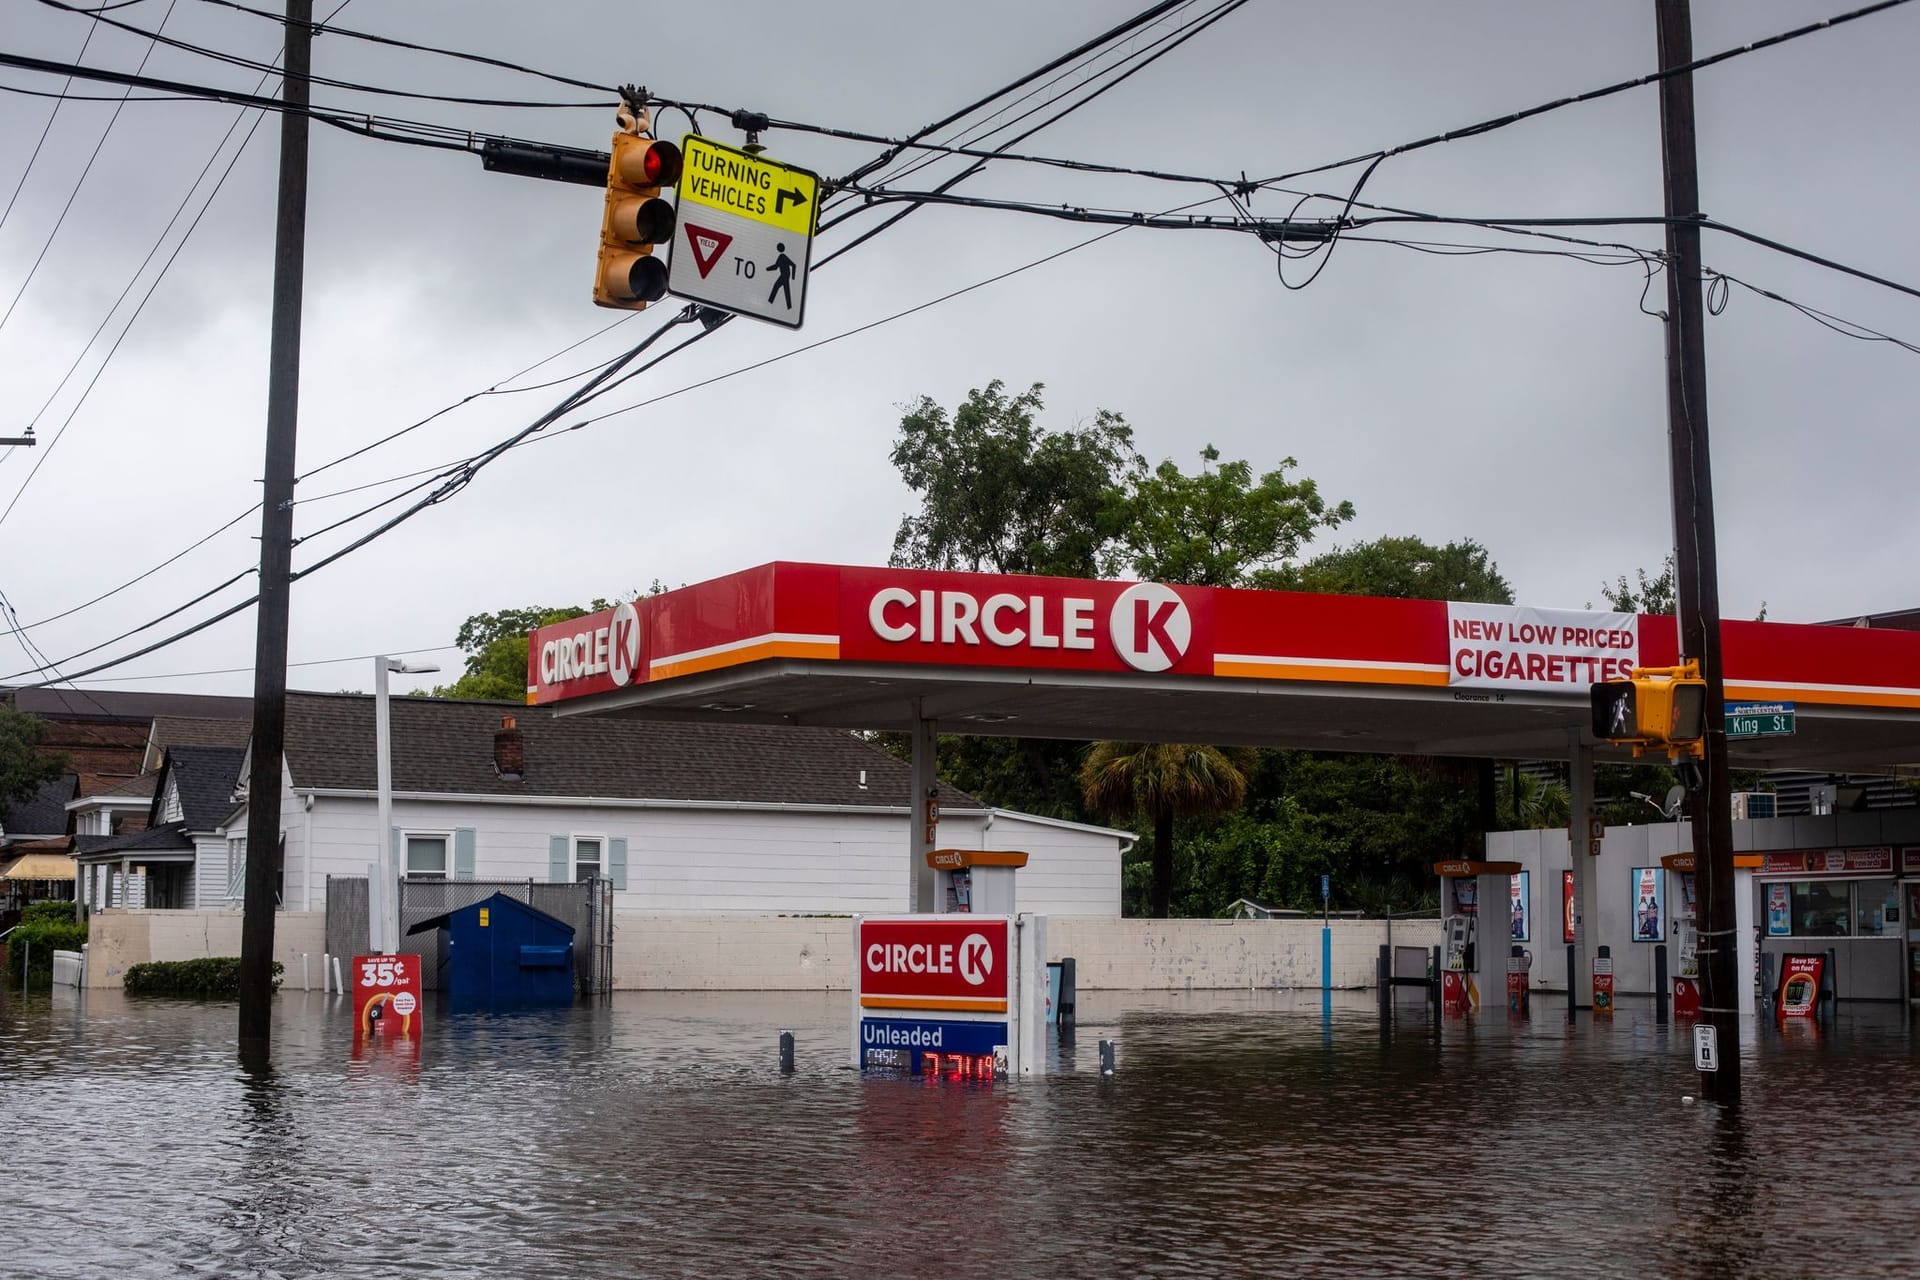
x=28, y=171
x=232, y=59
x=311, y=662
x=453, y=486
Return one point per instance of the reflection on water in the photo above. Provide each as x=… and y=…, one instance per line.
x=1244, y=1133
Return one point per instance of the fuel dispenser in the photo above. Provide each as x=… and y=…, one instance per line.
x=974, y=881
x=1685, y=923
x=1471, y=961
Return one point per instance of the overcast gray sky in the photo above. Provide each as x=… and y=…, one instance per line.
x=1516, y=400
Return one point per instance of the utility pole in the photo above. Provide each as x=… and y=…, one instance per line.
x=1696, y=568
x=276, y=551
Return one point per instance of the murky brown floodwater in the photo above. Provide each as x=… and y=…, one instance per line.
x=1244, y=1134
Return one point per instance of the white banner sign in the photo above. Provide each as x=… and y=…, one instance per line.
x=1497, y=646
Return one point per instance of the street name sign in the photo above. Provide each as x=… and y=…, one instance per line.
x=745, y=232
x=1759, y=719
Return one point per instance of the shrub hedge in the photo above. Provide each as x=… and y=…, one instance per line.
x=214, y=978
x=35, y=941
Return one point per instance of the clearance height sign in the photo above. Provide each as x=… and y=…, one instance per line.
x=745, y=232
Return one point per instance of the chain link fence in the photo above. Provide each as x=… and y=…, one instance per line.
x=586, y=905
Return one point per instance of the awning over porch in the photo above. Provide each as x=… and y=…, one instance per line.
x=39, y=866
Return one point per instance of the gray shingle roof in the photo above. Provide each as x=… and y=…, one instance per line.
x=206, y=777
x=44, y=813
x=168, y=837
x=446, y=745
x=126, y=704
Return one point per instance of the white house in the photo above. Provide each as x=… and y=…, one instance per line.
x=682, y=818
x=182, y=859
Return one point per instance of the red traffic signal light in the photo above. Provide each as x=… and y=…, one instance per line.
x=636, y=221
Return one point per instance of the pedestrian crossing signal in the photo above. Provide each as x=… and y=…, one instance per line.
x=636, y=221
x=1659, y=707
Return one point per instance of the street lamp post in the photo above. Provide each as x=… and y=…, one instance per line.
x=384, y=923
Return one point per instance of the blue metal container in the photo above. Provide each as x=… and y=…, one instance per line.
x=504, y=954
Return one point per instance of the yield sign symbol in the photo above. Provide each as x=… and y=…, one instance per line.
x=707, y=246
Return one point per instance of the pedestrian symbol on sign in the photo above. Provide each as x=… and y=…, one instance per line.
x=784, y=267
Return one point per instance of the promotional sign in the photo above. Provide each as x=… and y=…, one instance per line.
x=1466, y=891
x=1779, y=911
x=1518, y=985
x=1830, y=862
x=1649, y=923
x=1568, y=930
x=1520, y=922
x=386, y=996
x=1686, y=999
x=935, y=963
x=1458, y=991
x=1555, y=650
x=1799, y=994
x=1688, y=906
x=908, y=1041
x=744, y=236
x=1603, y=985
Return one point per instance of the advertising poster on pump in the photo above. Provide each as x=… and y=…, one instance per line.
x=1649, y=922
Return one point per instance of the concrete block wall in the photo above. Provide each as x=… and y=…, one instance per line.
x=811, y=953
x=1174, y=955
x=118, y=940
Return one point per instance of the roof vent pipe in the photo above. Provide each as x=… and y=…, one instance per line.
x=509, y=751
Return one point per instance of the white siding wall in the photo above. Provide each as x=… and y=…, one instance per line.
x=716, y=860
x=209, y=890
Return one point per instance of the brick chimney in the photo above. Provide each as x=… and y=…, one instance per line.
x=509, y=751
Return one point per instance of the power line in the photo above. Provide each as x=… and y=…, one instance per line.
x=311, y=662
x=250, y=64
x=24, y=173
x=82, y=180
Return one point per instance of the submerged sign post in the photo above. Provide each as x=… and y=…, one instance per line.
x=745, y=232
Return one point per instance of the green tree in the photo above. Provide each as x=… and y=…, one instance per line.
x=496, y=649
x=1159, y=782
x=1644, y=595
x=1405, y=568
x=1000, y=494
x=24, y=768
x=1528, y=802
x=1220, y=527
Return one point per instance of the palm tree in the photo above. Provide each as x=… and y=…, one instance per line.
x=1164, y=780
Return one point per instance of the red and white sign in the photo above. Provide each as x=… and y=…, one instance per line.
x=1829, y=862
x=988, y=620
x=1494, y=646
x=707, y=245
x=386, y=996
x=907, y=618
x=935, y=963
x=1799, y=995
x=590, y=654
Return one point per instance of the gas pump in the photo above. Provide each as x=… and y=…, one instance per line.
x=1519, y=981
x=974, y=881
x=1686, y=937
x=1457, y=992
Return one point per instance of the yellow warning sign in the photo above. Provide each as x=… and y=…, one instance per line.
x=749, y=186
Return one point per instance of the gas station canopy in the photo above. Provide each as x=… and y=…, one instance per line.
x=872, y=648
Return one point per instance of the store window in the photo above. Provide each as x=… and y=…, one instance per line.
x=1876, y=909
x=1821, y=909
x=426, y=857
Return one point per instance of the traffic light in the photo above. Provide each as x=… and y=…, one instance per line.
x=1660, y=706
x=637, y=219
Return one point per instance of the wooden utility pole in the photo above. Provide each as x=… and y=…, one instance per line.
x=276, y=550
x=1696, y=568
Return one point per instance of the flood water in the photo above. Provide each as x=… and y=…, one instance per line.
x=1244, y=1134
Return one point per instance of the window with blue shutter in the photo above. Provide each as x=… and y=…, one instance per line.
x=617, y=861
x=558, y=870
x=463, y=851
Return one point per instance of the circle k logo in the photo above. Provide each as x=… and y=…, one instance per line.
x=623, y=653
x=1150, y=626
x=976, y=959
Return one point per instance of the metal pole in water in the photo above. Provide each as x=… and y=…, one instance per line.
x=1660, y=984
x=786, y=1053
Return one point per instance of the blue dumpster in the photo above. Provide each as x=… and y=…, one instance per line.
x=503, y=954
